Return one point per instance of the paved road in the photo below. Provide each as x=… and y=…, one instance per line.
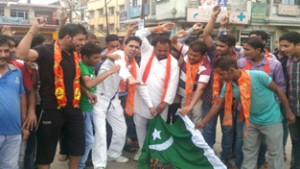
x=133, y=164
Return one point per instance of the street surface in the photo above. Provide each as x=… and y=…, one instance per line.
x=133, y=164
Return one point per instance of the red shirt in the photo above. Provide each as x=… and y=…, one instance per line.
x=27, y=81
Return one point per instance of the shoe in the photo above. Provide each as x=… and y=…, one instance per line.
x=129, y=148
x=120, y=159
x=62, y=157
x=137, y=155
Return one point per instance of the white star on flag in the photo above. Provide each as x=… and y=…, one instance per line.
x=156, y=134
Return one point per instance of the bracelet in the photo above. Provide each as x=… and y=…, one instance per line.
x=159, y=28
x=31, y=32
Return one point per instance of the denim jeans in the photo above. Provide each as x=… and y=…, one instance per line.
x=89, y=137
x=295, y=137
x=285, y=127
x=209, y=131
x=30, y=152
x=131, y=132
x=227, y=139
x=9, y=150
x=239, y=141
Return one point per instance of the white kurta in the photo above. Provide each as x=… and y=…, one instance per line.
x=157, y=74
x=155, y=85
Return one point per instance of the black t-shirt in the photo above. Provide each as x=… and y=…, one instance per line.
x=46, y=62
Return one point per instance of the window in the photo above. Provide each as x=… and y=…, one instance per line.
x=135, y=2
x=290, y=2
x=111, y=11
x=92, y=27
x=121, y=8
x=101, y=13
x=111, y=26
x=1, y=10
x=100, y=27
x=19, y=13
x=91, y=14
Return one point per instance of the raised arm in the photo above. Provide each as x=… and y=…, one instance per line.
x=143, y=33
x=63, y=17
x=210, y=26
x=130, y=28
x=195, y=27
x=223, y=24
x=23, y=50
x=174, y=39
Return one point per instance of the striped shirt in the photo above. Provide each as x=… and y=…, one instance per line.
x=293, y=68
x=203, y=75
x=213, y=56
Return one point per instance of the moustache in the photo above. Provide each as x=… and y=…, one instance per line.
x=3, y=59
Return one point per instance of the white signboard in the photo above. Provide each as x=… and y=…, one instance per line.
x=204, y=15
x=239, y=17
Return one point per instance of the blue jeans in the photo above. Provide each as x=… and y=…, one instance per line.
x=89, y=137
x=285, y=127
x=209, y=131
x=30, y=151
x=227, y=139
x=9, y=150
x=239, y=141
x=295, y=137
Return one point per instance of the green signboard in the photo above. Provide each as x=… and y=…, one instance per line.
x=259, y=12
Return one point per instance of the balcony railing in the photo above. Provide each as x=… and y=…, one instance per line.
x=13, y=20
x=135, y=11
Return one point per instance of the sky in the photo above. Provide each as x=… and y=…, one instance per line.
x=39, y=1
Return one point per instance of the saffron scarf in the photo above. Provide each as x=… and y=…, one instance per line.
x=13, y=63
x=129, y=107
x=217, y=83
x=267, y=53
x=167, y=77
x=244, y=83
x=60, y=92
x=191, y=73
x=266, y=66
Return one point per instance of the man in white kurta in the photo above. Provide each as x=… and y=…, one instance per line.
x=109, y=107
x=156, y=79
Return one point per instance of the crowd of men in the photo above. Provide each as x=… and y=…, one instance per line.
x=88, y=96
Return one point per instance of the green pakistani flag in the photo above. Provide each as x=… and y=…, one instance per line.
x=178, y=145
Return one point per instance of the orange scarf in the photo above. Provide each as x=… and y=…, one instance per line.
x=13, y=62
x=266, y=67
x=59, y=79
x=217, y=83
x=267, y=53
x=167, y=77
x=129, y=108
x=244, y=83
x=191, y=73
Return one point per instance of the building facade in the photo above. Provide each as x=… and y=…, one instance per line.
x=20, y=17
x=104, y=17
x=274, y=16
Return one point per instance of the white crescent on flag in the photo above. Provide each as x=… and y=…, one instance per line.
x=162, y=146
